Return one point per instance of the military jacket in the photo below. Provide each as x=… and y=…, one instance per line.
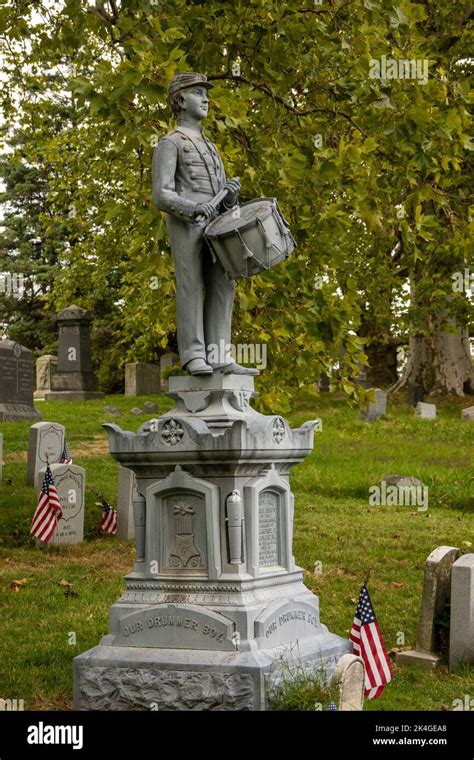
x=187, y=170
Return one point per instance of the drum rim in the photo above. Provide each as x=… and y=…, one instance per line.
x=248, y=225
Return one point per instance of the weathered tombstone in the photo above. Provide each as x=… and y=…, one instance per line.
x=167, y=360
x=416, y=393
x=113, y=410
x=461, y=636
x=377, y=408
x=45, y=369
x=45, y=443
x=1, y=457
x=127, y=494
x=349, y=676
x=142, y=379
x=435, y=597
x=425, y=411
x=150, y=407
x=136, y=411
x=74, y=379
x=468, y=414
x=70, y=482
x=17, y=382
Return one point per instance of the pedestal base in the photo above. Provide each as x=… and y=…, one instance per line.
x=12, y=412
x=72, y=395
x=127, y=678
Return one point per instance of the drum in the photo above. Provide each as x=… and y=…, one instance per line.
x=250, y=238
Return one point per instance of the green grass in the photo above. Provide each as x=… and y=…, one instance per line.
x=334, y=525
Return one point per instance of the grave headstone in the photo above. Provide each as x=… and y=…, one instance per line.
x=113, y=410
x=349, y=675
x=70, y=482
x=127, y=493
x=468, y=414
x=461, y=636
x=167, y=360
x=74, y=379
x=376, y=408
x=136, y=411
x=425, y=411
x=142, y=379
x=45, y=443
x=435, y=597
x=17, y=383
x=45, y=369
x=416, y=393
x=150, y=407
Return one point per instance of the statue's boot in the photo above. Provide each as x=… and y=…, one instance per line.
x=198, y=367
x=235, y=369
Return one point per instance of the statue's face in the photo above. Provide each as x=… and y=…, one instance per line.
x=195, y=102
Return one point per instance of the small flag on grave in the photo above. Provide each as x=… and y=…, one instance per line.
x=48, y=509
x=66, y=457
x=109, y=519
x=369, y=645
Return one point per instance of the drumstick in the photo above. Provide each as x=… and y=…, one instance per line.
x=215, y=202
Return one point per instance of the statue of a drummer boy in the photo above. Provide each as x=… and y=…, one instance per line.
x=188, y=174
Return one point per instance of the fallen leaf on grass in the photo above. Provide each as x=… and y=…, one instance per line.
x=398, y=585
x=17, y=585
x=396, y=535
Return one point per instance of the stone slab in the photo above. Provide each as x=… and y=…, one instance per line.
x=45, y=443
x=127, y=491
x=468, y=414
x=349, y=676
x=435, y=596
x=142, y=379
x=377, y=408
x=425, y=660
x=425, y=411
x=461, y=637
x=215, y=382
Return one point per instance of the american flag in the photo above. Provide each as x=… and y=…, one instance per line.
x=48, y=510
x=66, y=457
x=369, y=644
x=109, y=519
x=332, y=707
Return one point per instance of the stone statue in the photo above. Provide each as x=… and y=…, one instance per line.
x=187, y=174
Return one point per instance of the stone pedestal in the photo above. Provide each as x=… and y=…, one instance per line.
x=215, y=600
x=74, y=379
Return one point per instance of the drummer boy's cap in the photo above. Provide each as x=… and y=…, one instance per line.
x=183, y=80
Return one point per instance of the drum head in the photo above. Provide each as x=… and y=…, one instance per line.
x=248, y=213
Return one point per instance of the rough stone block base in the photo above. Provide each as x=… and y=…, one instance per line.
x=425, y=660
x=130, y=678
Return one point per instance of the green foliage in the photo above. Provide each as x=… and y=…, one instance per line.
x=393, y=167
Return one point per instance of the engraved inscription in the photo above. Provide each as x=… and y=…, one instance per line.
x=268, y=528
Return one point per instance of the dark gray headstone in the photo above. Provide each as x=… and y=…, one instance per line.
x=17, y=382
x=142, y=379
x=74, y=379
x=416, y=393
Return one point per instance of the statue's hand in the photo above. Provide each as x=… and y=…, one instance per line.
x=233, y=185
x=207, y=210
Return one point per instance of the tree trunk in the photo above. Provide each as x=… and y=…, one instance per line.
x=441, y=362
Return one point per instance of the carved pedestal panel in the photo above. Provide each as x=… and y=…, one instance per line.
x=214, y=596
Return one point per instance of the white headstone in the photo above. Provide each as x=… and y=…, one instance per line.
x=425, y=411
x=468, y=414
x=127, y=492
x=46, y=443
x=349, y=675
x=377, y=408
x=461, y=635
x=70, y=482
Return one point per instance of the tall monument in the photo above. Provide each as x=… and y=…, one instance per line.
x=215, y=601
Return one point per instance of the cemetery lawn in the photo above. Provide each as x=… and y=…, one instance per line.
x=54, y=604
